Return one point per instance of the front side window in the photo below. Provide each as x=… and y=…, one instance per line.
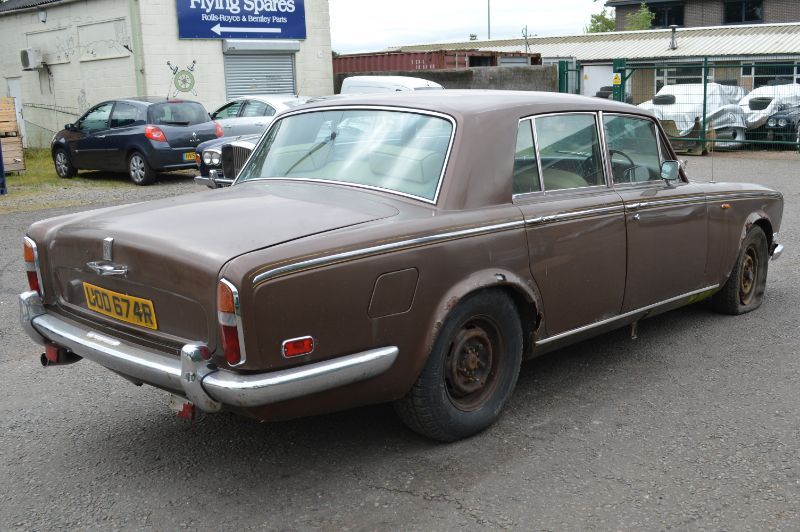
x=743, y=11
x=398, y=151
x=229, y=110
x=633, y=149
x=96, y=119
x=569, y=151
x=526, y=167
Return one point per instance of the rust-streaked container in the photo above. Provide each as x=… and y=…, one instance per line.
x=415, y=61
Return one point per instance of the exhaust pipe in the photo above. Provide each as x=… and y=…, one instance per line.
x=58, y=356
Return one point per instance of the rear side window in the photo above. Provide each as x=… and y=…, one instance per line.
x=177, y=114
x=526, y=166
x=255, y=108
x=569, y=151
x=124, y=114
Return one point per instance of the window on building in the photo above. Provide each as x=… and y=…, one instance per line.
x=771, y=74
x=743, y=11
x=681, y=75
x=667, y=15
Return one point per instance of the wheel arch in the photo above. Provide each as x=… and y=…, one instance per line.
x=522, y=293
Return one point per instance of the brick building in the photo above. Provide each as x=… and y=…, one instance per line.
x=94, y=50
x=696, y=13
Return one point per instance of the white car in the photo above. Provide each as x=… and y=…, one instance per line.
x=765, y=101
x=247, y=115
x=370, y=84
x=683, y=104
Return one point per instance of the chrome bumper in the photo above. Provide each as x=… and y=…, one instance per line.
x=202, y=383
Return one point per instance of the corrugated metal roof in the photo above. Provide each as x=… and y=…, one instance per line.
x=16, y=5
x=717, y=41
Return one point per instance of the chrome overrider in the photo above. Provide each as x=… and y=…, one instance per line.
x=191, y=375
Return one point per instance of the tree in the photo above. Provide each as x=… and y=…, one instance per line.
x=601, y=22
x=642, y=19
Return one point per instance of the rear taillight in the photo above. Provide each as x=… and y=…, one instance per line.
x=230, y=322
x=32, y=269
x=218, y=129
x=155, y=133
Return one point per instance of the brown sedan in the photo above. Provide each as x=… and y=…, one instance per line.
x=412, y=248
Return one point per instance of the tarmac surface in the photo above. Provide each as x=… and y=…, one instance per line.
x=695, y=425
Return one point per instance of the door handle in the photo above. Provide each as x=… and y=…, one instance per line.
x=101, y=136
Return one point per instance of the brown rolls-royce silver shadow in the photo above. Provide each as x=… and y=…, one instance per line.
x=411, y=248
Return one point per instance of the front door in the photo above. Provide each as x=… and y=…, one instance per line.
x=90, y=149
x=575, y=222
x=666, y=222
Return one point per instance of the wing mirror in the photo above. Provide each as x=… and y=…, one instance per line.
x=70, y=127
x=670, y=171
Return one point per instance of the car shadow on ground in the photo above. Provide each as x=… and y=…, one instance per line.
x=359, y=440
x=100, y=176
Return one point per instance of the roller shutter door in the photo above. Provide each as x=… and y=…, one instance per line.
x=259, y=74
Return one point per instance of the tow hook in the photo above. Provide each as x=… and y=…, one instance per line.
x=55, y=355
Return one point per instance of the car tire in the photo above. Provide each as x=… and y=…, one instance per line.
x=139, y=170
x=470, y=372
x=744, y=289
x=63, y=164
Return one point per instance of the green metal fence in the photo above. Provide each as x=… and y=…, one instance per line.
x=713, y=105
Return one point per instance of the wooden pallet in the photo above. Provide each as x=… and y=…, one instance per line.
x=8, y=118
x=13, y=157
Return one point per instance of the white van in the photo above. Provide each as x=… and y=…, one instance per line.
x=369, y=84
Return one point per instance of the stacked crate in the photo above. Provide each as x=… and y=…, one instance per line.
x=11, y=141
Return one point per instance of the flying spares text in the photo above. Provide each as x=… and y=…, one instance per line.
x=245, y=7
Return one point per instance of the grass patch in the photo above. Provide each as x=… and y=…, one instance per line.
x=40, y=174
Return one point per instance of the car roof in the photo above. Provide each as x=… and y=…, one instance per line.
x=467, y=103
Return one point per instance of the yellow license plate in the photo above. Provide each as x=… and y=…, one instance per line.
x=123, y=307
x=189, y=156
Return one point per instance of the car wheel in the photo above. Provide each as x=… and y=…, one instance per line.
x=139, y=171
x=471, y=370
x=63, y=164
x=744, y=289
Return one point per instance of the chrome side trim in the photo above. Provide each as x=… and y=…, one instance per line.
x=407, y=110
x=576, y=215
x=36, y=264
x=191, y=374
x=336, y=258
x=674, y=202
x=750, y=194
x=252, y=390
x=237, y=305
x=620, y=317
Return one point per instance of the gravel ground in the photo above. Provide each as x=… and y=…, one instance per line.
x=695, y=425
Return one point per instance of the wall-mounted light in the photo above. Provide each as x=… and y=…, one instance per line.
x=42, y=15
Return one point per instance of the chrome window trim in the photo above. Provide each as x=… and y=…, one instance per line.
x=237, y=305
x=36, y=263
x=659, y=141
x=406, y=110
x=607, y=321
x=594, y=115
x=335, y=258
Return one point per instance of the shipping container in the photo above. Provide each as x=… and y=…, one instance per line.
x=434, y=60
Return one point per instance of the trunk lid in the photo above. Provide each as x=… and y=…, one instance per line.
x=174, y=248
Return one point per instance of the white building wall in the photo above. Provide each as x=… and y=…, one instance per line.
x=86, y=47
x=159, y=37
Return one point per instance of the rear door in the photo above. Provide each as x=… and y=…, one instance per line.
x=126, y=123
x=574, y=220
x=667, y=223
x=254, y=117
x=89, y=149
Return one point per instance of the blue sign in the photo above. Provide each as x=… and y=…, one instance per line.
x=241, y=19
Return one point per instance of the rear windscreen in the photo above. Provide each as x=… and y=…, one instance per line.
x=177, y=114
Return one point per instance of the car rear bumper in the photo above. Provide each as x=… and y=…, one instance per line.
x=208, y=387
x=166, y=158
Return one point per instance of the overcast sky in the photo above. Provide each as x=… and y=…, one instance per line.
x=371, y=25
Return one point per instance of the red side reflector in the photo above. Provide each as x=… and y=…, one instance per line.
x=230, y=344
x=298, y=347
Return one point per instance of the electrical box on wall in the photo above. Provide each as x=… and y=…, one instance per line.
x=30, y=58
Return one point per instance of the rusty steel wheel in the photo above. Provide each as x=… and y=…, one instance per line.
x=744, y=289
x=471, y=370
